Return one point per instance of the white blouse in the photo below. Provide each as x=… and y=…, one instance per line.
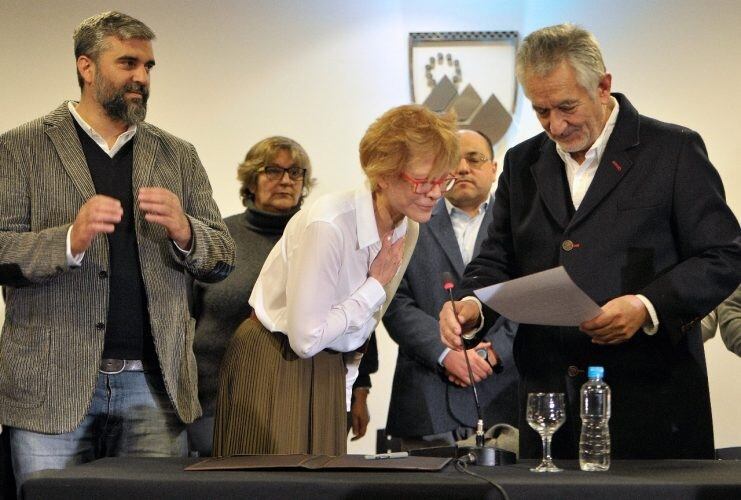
x=314, y=286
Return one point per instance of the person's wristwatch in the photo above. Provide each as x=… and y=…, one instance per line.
x=483, y=353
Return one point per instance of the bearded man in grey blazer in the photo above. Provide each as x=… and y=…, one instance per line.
x=103, y=220
x=431, y=401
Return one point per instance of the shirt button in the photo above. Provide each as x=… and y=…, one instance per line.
x=102, y=275
x=100, y=326
x=567, y=245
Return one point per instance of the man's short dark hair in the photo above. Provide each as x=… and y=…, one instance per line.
x=90, y=35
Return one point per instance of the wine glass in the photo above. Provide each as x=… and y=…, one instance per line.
x=546, y=413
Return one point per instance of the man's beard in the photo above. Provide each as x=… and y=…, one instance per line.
x=115, y=104
x=582, y=145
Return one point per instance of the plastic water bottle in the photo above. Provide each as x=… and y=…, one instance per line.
x=594, y=444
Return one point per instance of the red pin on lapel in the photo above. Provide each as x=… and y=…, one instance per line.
x=617, y=166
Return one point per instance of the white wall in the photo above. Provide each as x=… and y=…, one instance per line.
x=232, y=72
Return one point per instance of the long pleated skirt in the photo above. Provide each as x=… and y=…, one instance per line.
x=273, y=402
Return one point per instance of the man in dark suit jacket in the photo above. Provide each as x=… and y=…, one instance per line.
x=103, y=219
x=636, y=213
x=431, y=401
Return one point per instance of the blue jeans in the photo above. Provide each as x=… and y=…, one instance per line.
x=130, y=415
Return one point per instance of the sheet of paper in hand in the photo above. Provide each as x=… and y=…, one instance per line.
x=546, y=298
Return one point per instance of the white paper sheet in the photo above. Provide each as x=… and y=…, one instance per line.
x=546, y=298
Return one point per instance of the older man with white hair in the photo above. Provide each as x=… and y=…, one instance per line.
x=635, y=212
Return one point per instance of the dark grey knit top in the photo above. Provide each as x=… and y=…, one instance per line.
x=219, y=308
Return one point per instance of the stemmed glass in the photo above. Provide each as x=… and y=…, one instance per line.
x=546, y=413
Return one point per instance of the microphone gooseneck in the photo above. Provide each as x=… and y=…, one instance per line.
x=448, y=286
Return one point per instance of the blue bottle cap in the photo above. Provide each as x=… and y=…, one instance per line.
x=595, y=372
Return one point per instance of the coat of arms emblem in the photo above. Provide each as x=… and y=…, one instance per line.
x=470, y=72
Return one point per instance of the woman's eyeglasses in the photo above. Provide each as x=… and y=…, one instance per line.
x=275, y=173
x=424, y=186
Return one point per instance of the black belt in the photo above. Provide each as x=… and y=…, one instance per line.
x=111, y=366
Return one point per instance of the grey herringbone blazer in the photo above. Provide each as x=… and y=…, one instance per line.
x=55, y=315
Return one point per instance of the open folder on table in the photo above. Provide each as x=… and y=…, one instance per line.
x=318, y=462
x=547, y=298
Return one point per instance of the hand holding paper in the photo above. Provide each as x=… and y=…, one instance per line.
x=620, y=319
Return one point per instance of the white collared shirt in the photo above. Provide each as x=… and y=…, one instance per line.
x=581, y=176
x=121, y=140
x=466, y=228
x=314, y=286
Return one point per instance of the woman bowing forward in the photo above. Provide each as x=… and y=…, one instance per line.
x=285, y=382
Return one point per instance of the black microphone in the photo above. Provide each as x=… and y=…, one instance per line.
x=448, y=285
x=480, y=454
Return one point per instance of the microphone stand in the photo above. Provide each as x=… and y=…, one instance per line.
x=480, y=423
x=480, y=454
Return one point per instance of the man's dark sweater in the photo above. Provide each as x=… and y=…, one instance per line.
x=127, y=329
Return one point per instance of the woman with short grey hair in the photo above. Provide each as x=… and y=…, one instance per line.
x=275, y=177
